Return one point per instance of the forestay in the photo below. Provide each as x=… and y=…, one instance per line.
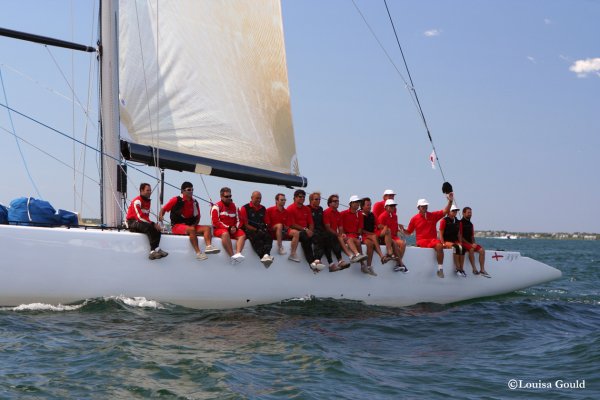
x=214, y=80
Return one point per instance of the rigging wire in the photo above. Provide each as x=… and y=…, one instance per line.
x=12, y=125
x=408, y=83
x=98, y=152
x=412, y=86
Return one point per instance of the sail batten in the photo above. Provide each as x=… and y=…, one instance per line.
x=208, y=79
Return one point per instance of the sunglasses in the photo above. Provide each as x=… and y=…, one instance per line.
x=227, y=197
x=189, y=189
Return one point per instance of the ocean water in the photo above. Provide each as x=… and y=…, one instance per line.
x=545, y=341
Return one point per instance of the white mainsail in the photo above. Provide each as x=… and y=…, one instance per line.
x=207, y=79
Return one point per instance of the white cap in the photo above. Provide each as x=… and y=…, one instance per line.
x=388, y=191
x=390, y=202
x=353, y=198
x=454, y=207
x=422, y=202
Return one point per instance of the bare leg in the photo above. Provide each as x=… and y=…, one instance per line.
x=205, y=230
x=439, y=249
x=191, y=231
x=295, y=240
x=279, y=234
x=226, y=242
x=239, y=246
x=472, y=260
x=482, y=259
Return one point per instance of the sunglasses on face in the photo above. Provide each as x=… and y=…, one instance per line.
x=227, y=197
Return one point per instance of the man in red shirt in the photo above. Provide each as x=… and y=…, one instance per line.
x=379, y=207
x=424, y=223
x=331, y=223
x=351, y=225
x=387, y=231
x=226, y=225
x=252, y=220
x=185, y=216
x=302, y=221
x=278, y=221
x=138, y=220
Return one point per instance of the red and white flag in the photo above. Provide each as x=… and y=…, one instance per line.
x=432, y=159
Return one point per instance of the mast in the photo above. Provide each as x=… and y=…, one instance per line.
x=110, y=198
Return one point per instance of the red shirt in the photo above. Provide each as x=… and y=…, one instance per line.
x=139, y=209
x=188, y=210
x=275, y=216
x=300, y=215
x=224, y=216
x=352, y=222
x=390, y=220
x=378, y=208
x=425, y=224
x=332, y=217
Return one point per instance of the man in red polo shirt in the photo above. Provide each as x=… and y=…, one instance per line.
x=278, y=221
x=185, y=217
x=351, y=224
x=424, y=223
x=226, y=225
x=302, y=221
x=379, y=207
x=331, y=222
x=387, y=231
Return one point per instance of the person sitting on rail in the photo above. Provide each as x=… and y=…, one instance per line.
x=451, y=238
x=138, y=220
x=226, y=225
x=278, y=220
x=468, y=241
x=387, y=232
x=350, y=230
x=368, y=236
x=301, y=220
x=331, y=222
x=424, y=223
x=252, y=220
x=185, y=219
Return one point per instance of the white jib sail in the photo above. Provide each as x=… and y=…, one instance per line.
x=207, y=78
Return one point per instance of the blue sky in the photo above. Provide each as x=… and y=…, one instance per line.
x=510, y=90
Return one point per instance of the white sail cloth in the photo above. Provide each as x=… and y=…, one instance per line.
x=207, y=78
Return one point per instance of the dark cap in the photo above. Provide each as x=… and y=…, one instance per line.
x=186, y=185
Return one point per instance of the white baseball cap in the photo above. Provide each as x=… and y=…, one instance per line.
x=422, y=202
x=390, y=202
x=388, y=191
x=353, y=198
x=454, y=207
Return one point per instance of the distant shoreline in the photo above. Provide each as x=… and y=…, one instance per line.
x=538, y=235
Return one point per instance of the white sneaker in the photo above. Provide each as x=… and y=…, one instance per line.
x=318, y=265
x=294, y=258
x=210, y=249
x=238, y=257
x=201, y=256
x=282, y=251
x=267, y=260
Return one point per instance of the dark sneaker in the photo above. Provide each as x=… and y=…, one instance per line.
x=401, y=268
x=161, y=252
x=364, y=269
x=210, y=249
x=343, y=264
x=440, y=273
x=154, y=255
x=334, y=268
x=475, y=272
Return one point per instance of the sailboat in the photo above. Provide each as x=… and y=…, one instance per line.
x=219, y=105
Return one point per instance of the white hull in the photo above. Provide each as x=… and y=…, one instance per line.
x=58, y=265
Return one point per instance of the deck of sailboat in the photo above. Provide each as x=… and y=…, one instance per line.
x=62, y=265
